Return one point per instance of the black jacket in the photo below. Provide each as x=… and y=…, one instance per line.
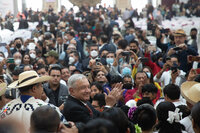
x=76, y=111
x=62, y=94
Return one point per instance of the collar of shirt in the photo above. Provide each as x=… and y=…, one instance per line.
x=80, y=100
x=24, y=98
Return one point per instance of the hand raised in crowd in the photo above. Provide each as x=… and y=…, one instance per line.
x=133, y=55
x=118, y=54
x=166, y=66
x=138, y=61
x=174, y=75
x=157, y=33
x=171, y=51
x=183, y=46
x=192, y=74
x=8, y=48
x=72, y=129
x=101, y=67
x=114, y=95
x=92, y=63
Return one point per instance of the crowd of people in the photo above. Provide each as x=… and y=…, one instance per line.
x=85, y=74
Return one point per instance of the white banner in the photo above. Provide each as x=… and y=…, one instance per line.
x=6, y=5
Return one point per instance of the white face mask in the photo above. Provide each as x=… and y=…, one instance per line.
x=1, y=59
x=94, y=53
x=71, y=60
x=32, y=55
x=88, y=37
x=115, y=29
x=17, y=62
x=40, y=38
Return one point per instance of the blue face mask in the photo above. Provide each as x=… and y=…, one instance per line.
x=126, y=71
x=11, y=48
x=160, y=63
x=109, y=60
x=120, y=60
x=148, y=74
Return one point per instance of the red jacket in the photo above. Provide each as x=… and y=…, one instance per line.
x=154, y=67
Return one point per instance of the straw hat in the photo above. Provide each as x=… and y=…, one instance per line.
x=28, y=78
x=179, y=32
x=2, y=88
x=190, y=90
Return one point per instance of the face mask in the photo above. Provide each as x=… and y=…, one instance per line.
x=115, y=29
x=126, y=71
x=18, y=45
x=94, y=53
x=71, y=60
x=40, y=38
x=11, y=48
x=127, y=86
x=17, y=62
x=109, y=60
x=193, y=36
x=160, y=63
x=148, y=74
x=66, y=37
x=120, y=60
x=32, y=55
x=88, y=37
x=1, y=59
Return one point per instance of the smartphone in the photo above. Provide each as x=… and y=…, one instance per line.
x=68, y=125
x=194, y=58
x=98, y=60
x=144, y=59
x=125, y=53
x=174, y=68
x=10, y=60
x=177, y=48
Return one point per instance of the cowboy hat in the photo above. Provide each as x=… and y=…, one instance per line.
x=179, y=32
x=190, y=90
x=2, y=88
x=28, y=78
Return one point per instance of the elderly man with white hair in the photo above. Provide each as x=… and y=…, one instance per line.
x=17, y=58
x=77, y=108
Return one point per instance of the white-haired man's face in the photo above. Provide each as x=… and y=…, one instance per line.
x=81, y=90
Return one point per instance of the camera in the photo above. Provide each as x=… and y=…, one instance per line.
x=177, y=48
x=125, y=53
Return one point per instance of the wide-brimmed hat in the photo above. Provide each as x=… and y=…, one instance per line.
x=28, y=78
x=179, y=32
x=190, y=90
x=3, y=87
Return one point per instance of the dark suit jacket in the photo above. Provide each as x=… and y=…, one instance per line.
x=62, y=96
x=76, y=111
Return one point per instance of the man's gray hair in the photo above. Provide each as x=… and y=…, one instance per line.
x=72, y=80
